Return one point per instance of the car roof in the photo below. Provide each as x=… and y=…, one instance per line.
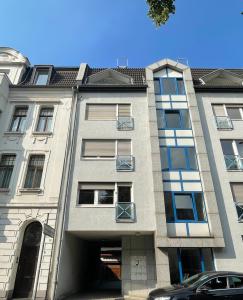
x=222, y=273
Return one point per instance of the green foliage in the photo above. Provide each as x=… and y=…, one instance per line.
x=160, y=10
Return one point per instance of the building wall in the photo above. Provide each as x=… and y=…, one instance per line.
x=18, y=207
x=72, y=267
x=138, y=265
x=230, y=257
x=81, y=218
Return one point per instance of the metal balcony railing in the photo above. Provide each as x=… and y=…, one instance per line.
x=125, y=123
x=223, y=122
x=233, y=162
x=125, y=212
x=239, y=209
x=125, y=163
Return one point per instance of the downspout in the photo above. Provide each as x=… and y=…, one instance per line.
x=63, y=196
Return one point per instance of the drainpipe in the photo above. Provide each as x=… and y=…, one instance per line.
x=63, y=196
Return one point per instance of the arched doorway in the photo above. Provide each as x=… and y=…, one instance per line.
x=25, y=277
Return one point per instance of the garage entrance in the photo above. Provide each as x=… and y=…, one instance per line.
x=104, y=266
x=89, y=267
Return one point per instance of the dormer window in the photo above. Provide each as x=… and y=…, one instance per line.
x=41, y=75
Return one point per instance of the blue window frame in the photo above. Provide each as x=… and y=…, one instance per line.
x=169, y=86
x=185, y=207
x=178, y=158
x=173, y=119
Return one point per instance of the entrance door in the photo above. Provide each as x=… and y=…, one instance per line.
x=28, y=261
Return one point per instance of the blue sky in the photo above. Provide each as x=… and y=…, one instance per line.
x=208, y=33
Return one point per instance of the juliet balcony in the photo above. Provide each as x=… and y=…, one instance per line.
x=125, y=123
x=125, y=163
x=233, y=162
x=224, y=123
x=125, y=212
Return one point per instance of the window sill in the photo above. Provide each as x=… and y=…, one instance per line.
x=4, y=190
x=39, y=133
x=14, y=133
x=30, y=190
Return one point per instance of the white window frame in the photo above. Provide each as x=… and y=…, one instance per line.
x=37, y=115
x=117, y=111
x=24, y=169
x=11, y=119
x=105, y=158
x=234, y=106
x=14, y=169
x=115, y=196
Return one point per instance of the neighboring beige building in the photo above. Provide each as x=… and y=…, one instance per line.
x=113, y=179
x=220, y=101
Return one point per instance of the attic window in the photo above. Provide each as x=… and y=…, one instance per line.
x=41, y=75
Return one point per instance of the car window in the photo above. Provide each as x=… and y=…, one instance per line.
x=235, y=282
x=217, y=283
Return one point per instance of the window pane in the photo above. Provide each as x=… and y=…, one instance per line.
x=156, y=86
x=45, y=119
x=41, y=124
x=169, y=207
x=240, y=147
x=185, y=119
x=99, y=148
x=218, y=283
x=37, y=177
x=169, y=86
x=124, y=147
x=41, y=77
x=18, y=120
x=105, y=196
x=180, y=86
x=124, y=110
x=124, y=194
x=192, y=158
x=160, y=118
x=234, y=113
x=200, y=207
x=34, y=171
x=178, y=160
x=172, y=119
x=227, y=147
x=219, y=110
x=14, y=124
x=86, y=197
x=235, y=282
x=184, y=207
x=237, y=191
x=6, y=169
x=164, y=158
x=190, y=262
x=100, y=112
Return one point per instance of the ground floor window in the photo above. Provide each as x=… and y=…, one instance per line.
x=185, y=262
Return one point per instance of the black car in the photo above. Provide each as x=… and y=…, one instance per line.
x=204, y=286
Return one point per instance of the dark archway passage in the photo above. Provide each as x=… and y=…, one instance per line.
x=25, y=277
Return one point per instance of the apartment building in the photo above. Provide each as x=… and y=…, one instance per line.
x=117, y=180
x=110, y=212
x=140, y=183
x=220, y=101
x=34, y=125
